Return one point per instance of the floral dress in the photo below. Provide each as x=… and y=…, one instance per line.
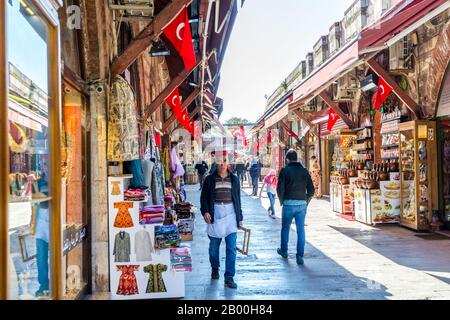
x=123, y=217
x=115, y=188
x=155, y=280
x=127, y=282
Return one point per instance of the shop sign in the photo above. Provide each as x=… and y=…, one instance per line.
x=72, y=237
x=430, y=134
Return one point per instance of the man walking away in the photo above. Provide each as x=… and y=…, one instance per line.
x=202, y=169
x=239, y=169
x=295, y=190
x=254, y=173
x=221, y=208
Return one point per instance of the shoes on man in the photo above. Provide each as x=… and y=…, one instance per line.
x=300, y=261
x=284, y=255
x=273, y=216
x=230, y=284
x=215, y=275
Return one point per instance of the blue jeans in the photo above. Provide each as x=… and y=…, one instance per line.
x=230, y=262
x=42, y=264
x=289, y=213
x=272, y=201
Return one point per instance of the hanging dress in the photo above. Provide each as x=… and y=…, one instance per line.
x=155, y=280
x=123, y=217
x=123, y=134
x=127, y=282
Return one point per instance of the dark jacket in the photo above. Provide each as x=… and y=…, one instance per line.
x=201, y=168
x=207, y=198
x=295, y=183
x=239, y=168
x=255, y=170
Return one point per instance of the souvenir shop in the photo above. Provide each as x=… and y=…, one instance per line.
x=383, y=172
x=150, y=221
x=443, y=123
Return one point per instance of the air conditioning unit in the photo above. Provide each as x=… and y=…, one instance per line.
x=399, y=54
x=345, y=88
x=130, y=10
x=310, y=106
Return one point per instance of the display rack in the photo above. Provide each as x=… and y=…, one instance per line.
x=157, y=267
x=418, y=174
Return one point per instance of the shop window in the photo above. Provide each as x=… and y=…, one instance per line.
x=29, y=179
x=74, y=192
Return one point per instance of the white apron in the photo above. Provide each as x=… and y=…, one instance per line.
x=224, y=221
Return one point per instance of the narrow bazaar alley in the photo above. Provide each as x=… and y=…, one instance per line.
x=343, y=260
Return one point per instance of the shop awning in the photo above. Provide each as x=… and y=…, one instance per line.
x=401, y=24
x=279, y=115
x=340, y=125
x=329, y=72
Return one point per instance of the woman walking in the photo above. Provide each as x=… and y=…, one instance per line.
x=271, y=182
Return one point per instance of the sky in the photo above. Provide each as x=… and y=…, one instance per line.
x=268, y=40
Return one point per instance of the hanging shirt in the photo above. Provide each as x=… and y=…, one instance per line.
x=143, y=246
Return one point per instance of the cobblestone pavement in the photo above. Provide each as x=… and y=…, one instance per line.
x=343, y=259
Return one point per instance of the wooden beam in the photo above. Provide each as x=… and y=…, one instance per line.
x=301, y=117
x=194, y=112
x=410, y=103
x=144, y=39
x=175, y=83
x=186, y=103
x=332, y=104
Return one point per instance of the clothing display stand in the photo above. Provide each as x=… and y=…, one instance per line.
x=131, y=279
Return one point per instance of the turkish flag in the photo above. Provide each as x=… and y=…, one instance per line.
x=179, y=34
x=333, y=117
x=173, y=100
x=292, y=134
x=382, y=93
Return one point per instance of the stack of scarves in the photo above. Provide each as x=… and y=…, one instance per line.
x=180, y=259
x=184, y=210
x=135, y=195
x=152, y=214
x=167, y=237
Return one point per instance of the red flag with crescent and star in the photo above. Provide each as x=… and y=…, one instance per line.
x=382, y=93
x=179, y=34
x=174, y=102
x=333, y=117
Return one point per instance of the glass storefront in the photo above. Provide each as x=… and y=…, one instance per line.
x=30, y=179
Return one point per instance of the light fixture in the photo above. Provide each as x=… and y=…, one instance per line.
x=159, y=49
x=422, y=131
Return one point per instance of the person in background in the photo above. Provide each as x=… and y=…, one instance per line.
x=295, y=190
x=221, y=208
x=213, y=164
x=239, y=170
x=42, y=237
x=271, y=182
x=202, y=169
x=255, y=171
x=176, y=167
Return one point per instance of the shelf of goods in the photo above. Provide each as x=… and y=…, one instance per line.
x=418, y=172
x=138, y=268
x=364, y=145
x=377, y=206
x=342, y=197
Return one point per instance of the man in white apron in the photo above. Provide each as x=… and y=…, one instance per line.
x=221, y=209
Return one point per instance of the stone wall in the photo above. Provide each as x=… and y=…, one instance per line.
x=97, y=44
